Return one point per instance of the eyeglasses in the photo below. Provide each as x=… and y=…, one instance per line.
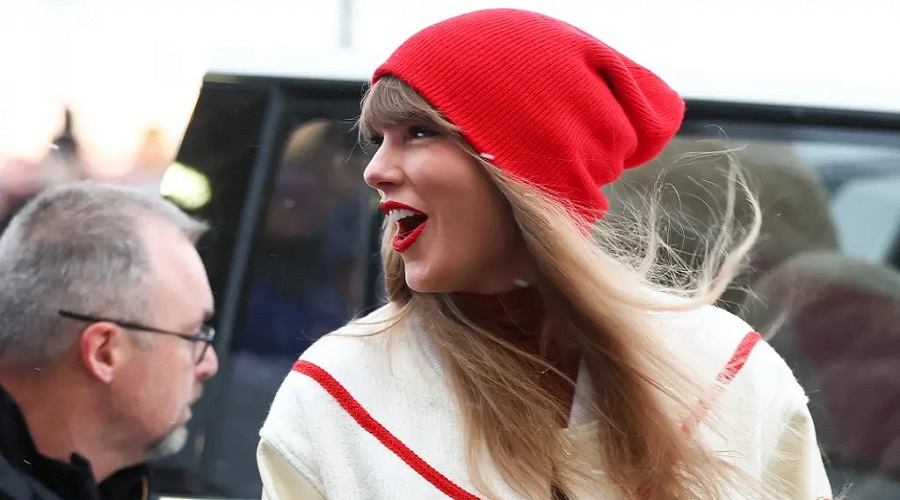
x=202, y=339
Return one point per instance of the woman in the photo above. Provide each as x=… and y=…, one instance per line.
x=516, y=358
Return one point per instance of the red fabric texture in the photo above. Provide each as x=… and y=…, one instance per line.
x=732, y=368
x=541, y=99
x=373, y=427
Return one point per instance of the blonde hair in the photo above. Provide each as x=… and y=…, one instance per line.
x=604, y=288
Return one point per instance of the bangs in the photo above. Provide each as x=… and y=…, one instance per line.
x=391, y=101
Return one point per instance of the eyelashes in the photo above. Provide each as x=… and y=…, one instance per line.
x=412, y=133
x=419, y=132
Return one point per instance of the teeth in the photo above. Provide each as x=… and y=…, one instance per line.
x=400, y=213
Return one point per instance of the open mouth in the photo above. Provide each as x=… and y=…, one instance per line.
x=410, y=224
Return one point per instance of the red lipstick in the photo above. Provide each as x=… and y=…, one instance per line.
x=410, y=223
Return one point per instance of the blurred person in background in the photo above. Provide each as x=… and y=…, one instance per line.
x=22, y=179
x=19, y=182
x=694, y=175
x=63, y=162
x=104, y=343
x=307, y=264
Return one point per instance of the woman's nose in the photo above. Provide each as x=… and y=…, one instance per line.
x=384, y=170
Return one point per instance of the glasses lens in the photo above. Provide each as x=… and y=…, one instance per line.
x=200, y=348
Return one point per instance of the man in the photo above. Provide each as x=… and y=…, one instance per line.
x=103, y=341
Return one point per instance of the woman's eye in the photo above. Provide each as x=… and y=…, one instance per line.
x=421, y=132
x=371, y=144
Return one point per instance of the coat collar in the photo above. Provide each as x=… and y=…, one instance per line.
x=71, y=480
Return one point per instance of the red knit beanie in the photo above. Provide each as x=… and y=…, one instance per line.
x=541, y=99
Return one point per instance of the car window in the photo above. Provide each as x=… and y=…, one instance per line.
x=306, y=278
x=311, y=267
x=857, y=205
x=210, y=179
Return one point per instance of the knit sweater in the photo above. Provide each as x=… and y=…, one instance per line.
x=369, y=415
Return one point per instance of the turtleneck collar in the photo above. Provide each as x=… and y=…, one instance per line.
x=521, y=318
x=517, y=314
x=73, y=480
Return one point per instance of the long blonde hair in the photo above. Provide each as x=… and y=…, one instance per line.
x=603, y=288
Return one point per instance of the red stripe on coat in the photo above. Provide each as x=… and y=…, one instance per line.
x=373, y=427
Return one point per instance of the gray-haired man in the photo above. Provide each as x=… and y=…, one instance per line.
x=103, y=341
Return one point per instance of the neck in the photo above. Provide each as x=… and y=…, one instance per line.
x=518, y=315
x=521, y=317
x=62, y=418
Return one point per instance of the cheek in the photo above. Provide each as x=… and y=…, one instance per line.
x=148, y=406
x=495, y=241
x=472, y=234
x=166, y=398
x=155, y=389
x=171, y=393
x=171, y=409
x=470, y=248
x=493, y=228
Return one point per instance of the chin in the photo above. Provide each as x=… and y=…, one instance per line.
x=423, y=283
x=169, y=444
x=449, y=282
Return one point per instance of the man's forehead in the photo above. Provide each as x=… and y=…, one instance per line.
x=176, y=266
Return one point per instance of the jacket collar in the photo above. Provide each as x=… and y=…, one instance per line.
x=72, y=480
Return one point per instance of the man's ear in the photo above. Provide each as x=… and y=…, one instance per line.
x=103, y=350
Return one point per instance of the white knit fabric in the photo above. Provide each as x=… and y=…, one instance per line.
x=310, y=443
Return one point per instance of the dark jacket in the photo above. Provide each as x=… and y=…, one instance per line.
x=25, y=474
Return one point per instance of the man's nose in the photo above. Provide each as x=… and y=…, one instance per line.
x=209, y=365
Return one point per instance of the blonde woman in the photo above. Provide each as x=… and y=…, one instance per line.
x=517, y=358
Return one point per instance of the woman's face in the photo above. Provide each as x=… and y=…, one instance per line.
x=450, y=223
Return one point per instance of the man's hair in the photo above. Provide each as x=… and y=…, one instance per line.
x=76, y=247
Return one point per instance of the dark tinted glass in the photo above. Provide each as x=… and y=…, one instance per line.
x=307, y=277
x=210, y=180
x=301, y=265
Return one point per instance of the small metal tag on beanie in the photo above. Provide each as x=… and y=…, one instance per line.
x=486, y=156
